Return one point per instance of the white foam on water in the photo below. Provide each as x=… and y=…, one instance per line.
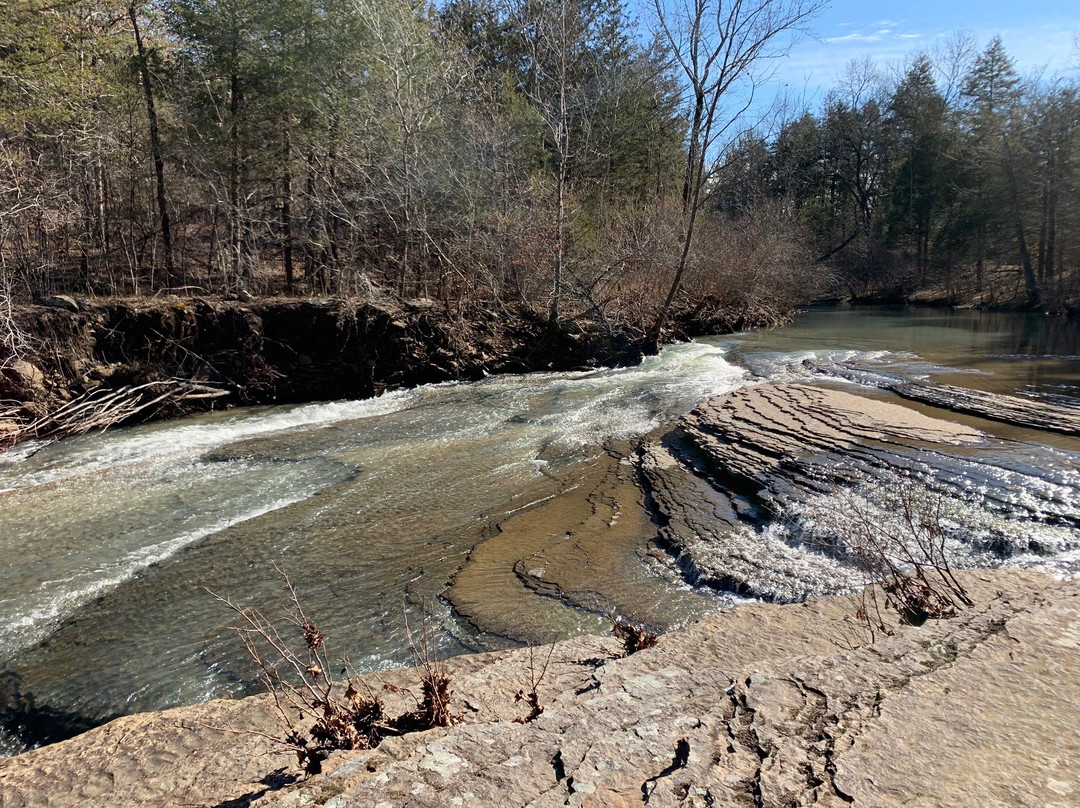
x=179, y=441
x=874, y=368
x=970, y=528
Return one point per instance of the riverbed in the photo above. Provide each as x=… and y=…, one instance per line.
x=113, y=542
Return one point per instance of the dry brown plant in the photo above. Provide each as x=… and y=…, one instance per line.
x=532, y=696
x=319, y=710
x=14, y=341
x=633, y=636
x=433, y=705
x=901, y=544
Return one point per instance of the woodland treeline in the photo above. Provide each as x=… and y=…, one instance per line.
x=535, y=152
x=950, y=174
x=543, y=153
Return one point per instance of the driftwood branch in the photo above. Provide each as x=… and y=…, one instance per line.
x=100, y=409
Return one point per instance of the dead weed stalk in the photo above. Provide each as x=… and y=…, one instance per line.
x=319, y=710
x=433, y=706
x=633, y=636
x=901, y=544
x=532, y=696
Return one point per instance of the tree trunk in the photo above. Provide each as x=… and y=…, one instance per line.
x=235, y=235
x=560, y=229
x=695, y=167
x=1051, y=224
x=156, y=151
x=286, y=211
x=1031, y=286
x=1044, y=216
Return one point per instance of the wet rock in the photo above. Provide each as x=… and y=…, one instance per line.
x=701, y=528
x=759, y=705
x=751, y=488
x=1034, y=413
x=1025, y=412
x=754, y=430
x=582, y=546
x=735, y=463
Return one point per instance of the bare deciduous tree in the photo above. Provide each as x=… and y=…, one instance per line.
x=724, y=49
x=553, y=36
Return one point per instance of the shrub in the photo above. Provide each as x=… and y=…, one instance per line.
x=897, y=536
x=634, y=637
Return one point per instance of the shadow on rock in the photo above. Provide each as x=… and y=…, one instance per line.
x=275, y=781
x=32, y=725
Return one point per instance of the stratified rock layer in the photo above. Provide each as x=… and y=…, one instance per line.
x=759, y=705
x=734, y=482
x=1026, y=412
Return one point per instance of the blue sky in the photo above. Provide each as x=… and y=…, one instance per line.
x=1036, y=33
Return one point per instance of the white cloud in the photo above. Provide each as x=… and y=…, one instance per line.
x=856, y=37
x=815, y=65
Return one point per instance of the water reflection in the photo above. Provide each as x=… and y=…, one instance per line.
x=1000, y=352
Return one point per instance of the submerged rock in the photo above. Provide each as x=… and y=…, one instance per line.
x=759, y=705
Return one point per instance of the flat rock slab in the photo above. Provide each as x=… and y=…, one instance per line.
x=759, y=705
x=188, y=756
x=1027, y=412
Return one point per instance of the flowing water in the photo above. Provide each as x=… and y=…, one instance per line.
x=109, y=542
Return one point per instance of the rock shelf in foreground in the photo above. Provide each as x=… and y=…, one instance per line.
x=759, y=705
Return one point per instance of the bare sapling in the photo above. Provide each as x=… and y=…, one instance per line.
x=433, y=705
x=14, y=341
x=321, y=711
x=902, y=545
x=531, y=697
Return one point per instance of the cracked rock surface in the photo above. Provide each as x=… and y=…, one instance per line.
x=761, y=705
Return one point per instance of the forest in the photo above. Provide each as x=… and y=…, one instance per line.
x=567, y=157
x=950, y=175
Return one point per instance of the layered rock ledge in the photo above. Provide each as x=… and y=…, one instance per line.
x=760, y=705
x=751, y=488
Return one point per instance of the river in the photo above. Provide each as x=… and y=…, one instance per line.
x=110, y=542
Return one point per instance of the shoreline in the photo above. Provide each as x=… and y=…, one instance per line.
x=786, y=702
x=100, y=363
